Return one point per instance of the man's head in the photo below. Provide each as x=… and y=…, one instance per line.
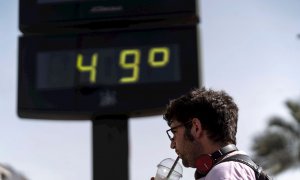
x=205, y=117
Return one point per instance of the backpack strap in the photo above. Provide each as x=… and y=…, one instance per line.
x=259, y=173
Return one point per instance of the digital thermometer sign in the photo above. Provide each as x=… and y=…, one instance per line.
x=130, y=72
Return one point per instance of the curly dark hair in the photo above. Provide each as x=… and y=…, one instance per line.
x=216, y=111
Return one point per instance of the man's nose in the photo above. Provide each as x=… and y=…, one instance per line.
x=172, y=145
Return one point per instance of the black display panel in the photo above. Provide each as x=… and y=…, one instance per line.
x=107, y=66
x=80, y=76
x=38, y=16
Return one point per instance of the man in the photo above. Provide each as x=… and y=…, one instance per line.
x=203, y=132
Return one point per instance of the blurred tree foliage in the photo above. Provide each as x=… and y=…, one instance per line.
x=7, y=172
x=278, y=147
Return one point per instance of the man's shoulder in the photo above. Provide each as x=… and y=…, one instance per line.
x=231, y=170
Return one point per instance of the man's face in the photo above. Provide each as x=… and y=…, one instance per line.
x=186, y=149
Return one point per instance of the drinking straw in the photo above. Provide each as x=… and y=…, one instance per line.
x=173, y=167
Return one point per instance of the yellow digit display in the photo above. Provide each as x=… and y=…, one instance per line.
x=85, y=68
x=130, y=65
x=165, y=57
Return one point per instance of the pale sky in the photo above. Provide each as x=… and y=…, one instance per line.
x=249, y=49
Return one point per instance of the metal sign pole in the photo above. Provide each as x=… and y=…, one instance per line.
x=110, y=148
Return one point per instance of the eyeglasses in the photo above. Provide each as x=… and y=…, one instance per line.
x=170, y=131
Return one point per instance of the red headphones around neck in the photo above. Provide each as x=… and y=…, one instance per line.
x=205, y=162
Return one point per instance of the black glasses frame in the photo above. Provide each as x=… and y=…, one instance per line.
x=169, y=131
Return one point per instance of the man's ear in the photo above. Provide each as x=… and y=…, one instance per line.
x=196, y=130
